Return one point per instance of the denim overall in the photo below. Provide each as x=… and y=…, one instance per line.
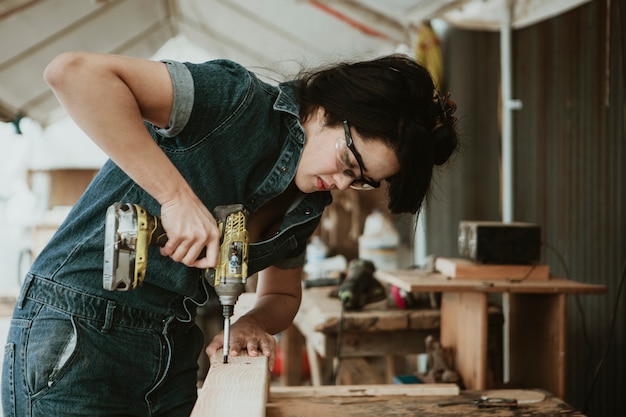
x=76, y=349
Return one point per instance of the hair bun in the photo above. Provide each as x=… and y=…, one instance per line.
x=444, y=133
x=444, y=143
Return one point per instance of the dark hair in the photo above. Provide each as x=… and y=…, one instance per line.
x=391, y=98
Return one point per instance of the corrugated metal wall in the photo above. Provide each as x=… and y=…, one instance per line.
x=569, y=145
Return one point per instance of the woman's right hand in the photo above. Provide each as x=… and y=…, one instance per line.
x=190, y=228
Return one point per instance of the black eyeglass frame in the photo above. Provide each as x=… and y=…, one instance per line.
x=359, y=183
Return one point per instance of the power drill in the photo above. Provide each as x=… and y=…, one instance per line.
x=130, y=229
x=360, y=287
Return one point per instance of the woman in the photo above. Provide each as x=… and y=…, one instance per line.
x=184, y=138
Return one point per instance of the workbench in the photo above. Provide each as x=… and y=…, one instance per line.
x=398, y=400
x=536, y=322
x=373, y=331
x=241, y=388
x=376, y=330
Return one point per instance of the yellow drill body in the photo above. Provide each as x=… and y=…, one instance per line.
x=130, y=229
x=231, y=272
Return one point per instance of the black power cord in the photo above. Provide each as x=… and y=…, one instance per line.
x=584, y=325
x=579, y=307
x=608, y=343
x=337, y=364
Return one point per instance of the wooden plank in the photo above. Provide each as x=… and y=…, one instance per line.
x=321, y=312
x=412, y=280
x=468, y=269
x=238, y=388
x=411, y=390
x=424, y=319
x=399, y=342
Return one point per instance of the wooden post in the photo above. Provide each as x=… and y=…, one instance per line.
x=238, y=388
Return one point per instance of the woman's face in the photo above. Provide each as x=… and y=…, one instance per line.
x=328, y=164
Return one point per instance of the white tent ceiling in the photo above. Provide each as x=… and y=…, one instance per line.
x=280, y=34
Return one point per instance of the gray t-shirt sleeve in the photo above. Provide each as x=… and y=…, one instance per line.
x=182, y=83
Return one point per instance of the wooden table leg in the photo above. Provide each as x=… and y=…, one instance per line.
x=291, y=343
x=538, y=341
x=464, y=327
x=314, y=365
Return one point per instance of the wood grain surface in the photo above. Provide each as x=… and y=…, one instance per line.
x=236, y=389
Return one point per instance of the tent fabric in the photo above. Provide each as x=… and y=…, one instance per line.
x=282, y=34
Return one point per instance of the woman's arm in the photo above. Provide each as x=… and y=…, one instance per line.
x=279, y=292
x=109, y=97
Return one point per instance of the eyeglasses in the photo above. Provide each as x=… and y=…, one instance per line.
x=344, y=163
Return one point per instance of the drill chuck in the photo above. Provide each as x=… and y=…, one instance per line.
x=230, y=290
x=228, y=310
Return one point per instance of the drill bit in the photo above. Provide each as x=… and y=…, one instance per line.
x=228, y=312
x=226, y=338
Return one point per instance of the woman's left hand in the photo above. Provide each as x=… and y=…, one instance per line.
x=278, y=293
x=246, y=334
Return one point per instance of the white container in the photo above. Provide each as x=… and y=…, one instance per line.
x=316, y=252
x=379, y=241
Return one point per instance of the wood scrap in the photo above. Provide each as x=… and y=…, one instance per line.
x=468, y=269
x=238, y=388
x=410, y=390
